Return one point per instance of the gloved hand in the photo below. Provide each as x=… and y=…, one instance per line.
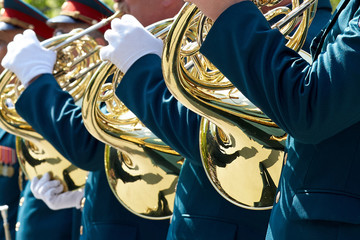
x=128, y=41
x=50, y=191
x=27, y=58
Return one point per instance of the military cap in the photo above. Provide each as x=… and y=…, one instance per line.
x=82, y=11
x=18, y=14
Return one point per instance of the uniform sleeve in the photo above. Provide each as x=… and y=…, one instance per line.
x=144, y=92
x=310, y=102
x=53, y=113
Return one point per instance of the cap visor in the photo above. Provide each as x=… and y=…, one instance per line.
x=61, y=19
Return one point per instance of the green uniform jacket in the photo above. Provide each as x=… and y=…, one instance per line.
x=59, y=120
x=9, y=184
x=36, y=221
x=317, y=105
x=199, y=211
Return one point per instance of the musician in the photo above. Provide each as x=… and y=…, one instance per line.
x=34, y=219
x=199, y=210
x=9, y=176
x=59, y=120
x=318, y=194
x=9, y=166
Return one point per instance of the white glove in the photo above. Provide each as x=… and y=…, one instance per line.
x=50, y=191
x=128, y=41
x=27, y=58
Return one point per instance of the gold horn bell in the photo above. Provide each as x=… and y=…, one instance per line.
x=77, y=59
x=141, y=169
x=241, y=148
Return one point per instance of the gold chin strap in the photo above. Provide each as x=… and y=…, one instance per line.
x=79, y=16
x=16, y=22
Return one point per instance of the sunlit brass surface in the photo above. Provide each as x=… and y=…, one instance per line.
x=243, y=158
x=76, y=62
x=142, y=171
x=77, y=59
x=35, y=160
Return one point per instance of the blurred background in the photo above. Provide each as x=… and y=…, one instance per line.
x=51, y=8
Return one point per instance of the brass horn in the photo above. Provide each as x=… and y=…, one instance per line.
x=142, y=171
x=241, y=148
x=77, y=59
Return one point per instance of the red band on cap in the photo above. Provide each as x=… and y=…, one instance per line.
x=40, y=28
x=87, y=11
x=83, y=9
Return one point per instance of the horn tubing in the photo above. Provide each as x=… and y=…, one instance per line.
x=94, y=27
x=294, y=13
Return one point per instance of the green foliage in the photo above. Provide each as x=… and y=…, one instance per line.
x=51, y=8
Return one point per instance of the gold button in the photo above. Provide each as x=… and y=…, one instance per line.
x=277, y=197
x=82, y=203
x=17, y=226
x=81, y=230
x=21, y=201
